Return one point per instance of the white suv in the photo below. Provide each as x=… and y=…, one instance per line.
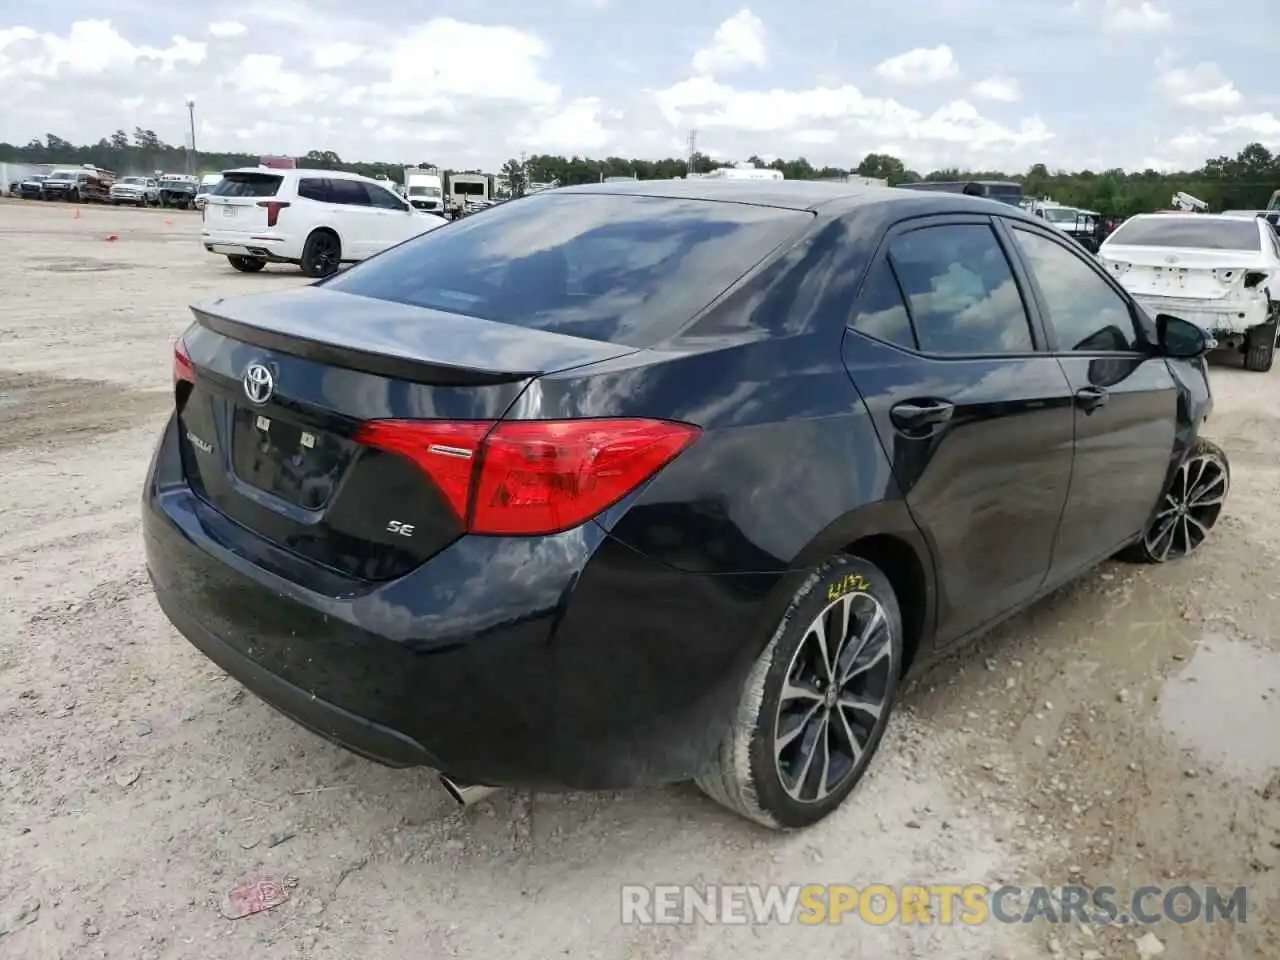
x=318, y=219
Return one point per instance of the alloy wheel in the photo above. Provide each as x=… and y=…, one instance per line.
x=1190, y=508
x=834, y=697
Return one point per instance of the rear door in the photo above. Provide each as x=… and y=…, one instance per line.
x=237, y=204
x=359, y=223
x=975, y=416
x=1126, y=401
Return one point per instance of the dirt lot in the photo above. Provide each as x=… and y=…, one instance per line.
x=1124, y=732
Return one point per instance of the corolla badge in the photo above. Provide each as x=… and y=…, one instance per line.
x=259, y=384
x=1170, y=259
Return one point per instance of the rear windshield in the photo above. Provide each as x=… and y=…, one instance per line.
x=621, y=269
x=249, y=184
x=1189, y=232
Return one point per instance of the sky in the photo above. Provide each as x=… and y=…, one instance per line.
x=976, y=84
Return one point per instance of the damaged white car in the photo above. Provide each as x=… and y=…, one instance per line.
x=1220, y=272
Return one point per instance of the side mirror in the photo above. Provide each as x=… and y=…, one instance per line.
x=1182, y=339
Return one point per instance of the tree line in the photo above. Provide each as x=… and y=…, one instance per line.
x=1244, y=181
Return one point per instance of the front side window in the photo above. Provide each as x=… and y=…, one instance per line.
x=382, y=199
x=616, y=268
x=961, y=291
x=1086, y=313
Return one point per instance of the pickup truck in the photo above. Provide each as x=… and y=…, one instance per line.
x=139, y=191
x=79, y=184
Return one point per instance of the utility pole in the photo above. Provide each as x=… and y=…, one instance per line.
x=693, y=150
x=191, y=156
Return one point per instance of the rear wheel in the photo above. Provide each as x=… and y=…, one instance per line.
x=816, y=704
x=1189, y=508
x=247, y=264
x=1260, y=347
x=322, y=254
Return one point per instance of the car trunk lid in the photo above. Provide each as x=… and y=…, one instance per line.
x=280, y=385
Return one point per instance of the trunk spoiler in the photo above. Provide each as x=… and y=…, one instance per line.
x=399, y=341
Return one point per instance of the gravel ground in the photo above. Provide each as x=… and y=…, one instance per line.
x=1122, y=732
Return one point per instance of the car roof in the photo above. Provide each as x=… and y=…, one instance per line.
x=299, y=171
x=810, y=195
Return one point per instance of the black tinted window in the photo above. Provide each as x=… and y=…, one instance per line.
x=881, y=311
x=350, y=192
x=1168, y=230
x=1084, y=310
x=383, y=199
x=248, y=184
x=961, y=291
x=606, y=267
x=313, y=188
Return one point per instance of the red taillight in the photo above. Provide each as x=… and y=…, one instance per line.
x=183, y=369
x=531, y=477
x=273, y=209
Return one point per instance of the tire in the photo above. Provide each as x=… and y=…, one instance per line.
x=1188, y=509
x=73, y=196
x=744, y=776
x=1260, y=347
x=247, y=264
x=322, y=254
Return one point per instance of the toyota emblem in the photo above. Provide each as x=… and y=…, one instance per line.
x=259, y=384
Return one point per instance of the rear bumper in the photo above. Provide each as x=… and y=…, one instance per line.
x=567, y=662
x=272, y=247
x=1217, y=317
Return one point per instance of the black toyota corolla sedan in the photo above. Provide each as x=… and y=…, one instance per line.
x=634, y=483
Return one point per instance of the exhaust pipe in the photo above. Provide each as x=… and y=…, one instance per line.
x=466, y=794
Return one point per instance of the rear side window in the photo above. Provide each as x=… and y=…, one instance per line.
x=348, y=192
x=882, y=313
x=621, y=269
x=961, y=291
x=247, y=184
x=1192, y=232
x=314, y=188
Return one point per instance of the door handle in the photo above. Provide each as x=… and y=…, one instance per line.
x=915, y=416
x=1090, y=399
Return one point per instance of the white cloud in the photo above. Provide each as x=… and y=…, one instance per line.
x=224, y=29
x=91, y=47
x=264, y=77
x=757, y=119
x=1135, y=16
x=921, y=65
x=998, y=89
x=331, y=56
x=737, y=43
x=1203, y=87
x=447, y=58
x=577, y=128
x=1258, y=125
